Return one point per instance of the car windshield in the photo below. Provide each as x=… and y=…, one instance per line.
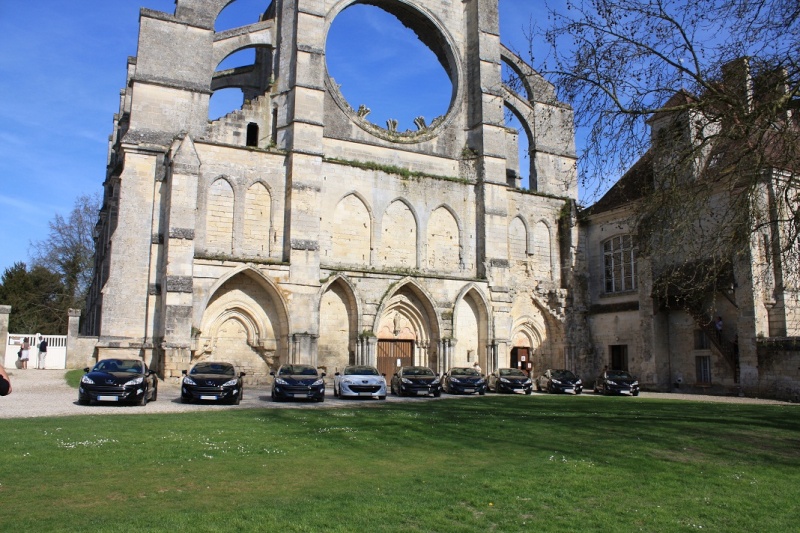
x=618, y=374
x=297, y=370
x=132, y=366
x=417, y=371
x=512, y=372
x=563, y=374
x=360, y=371
x=223, y=369
x=464, y=372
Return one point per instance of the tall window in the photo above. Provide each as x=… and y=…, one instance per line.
x=620, y=264
x=703, y=364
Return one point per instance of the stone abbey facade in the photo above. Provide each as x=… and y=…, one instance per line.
x=296, y=230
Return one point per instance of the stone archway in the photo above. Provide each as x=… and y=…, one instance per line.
x=242, y=324
x=407, y=330
x=338, y=326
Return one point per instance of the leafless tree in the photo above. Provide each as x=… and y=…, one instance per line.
x=68, y=250
x=718, y=83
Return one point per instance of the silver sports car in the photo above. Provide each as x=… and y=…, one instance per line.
x=359, y=380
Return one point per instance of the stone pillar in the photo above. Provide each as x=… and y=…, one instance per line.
x=76, y=358
x=304, y=349
x=5, y=311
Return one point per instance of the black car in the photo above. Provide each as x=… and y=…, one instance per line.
x=554, y=380
x=464, y=380
x=118, y=380
x=298, y=381
x=509, y=380
x=616, y=382
x=417, y=380
x=212, y=382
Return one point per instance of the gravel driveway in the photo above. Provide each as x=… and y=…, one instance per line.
x=39, y=393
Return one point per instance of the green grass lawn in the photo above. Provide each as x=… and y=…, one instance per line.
x=511, y=463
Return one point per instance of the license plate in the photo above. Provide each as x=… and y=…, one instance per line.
x=289, y=394
x=624, y=392
x=108, y=398
x=570, y=391
x=365, y=394
x=208, y=398
x=424, y=392
x=469, y=390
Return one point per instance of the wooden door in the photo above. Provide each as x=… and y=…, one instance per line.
x=389, y=351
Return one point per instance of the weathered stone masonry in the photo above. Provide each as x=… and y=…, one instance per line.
x=295, y=230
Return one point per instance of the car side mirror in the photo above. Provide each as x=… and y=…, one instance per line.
x=272, y=373
x=336, y=374
x=87, y=369
x=384, y=375
x=242, y=374
x=323, y=375
x=184, y=372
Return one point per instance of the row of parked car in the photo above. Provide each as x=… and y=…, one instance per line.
x=129, y=380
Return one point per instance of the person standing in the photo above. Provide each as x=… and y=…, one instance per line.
x=42, y=353
x=25, y=353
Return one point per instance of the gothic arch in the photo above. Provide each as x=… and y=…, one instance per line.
x=471, y=328
x=395, y=250
x=244, y=323
x=265, y=282
x=408, y=313
x=339, y=324
x=439, y=253
x=519, y=246
x=220, y=209
x=351, y=233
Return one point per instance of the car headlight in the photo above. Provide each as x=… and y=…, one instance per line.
x=635, y=384
x=407, y=381
x=135, y=381
x=609, y=382
x=281, y=381
x=480, y=382
x=579, y=382
x=557, y=382
x=87, y=380
x=231, y=383
x=527, y=381
x=347, y=381
x=455, y=380
x=435, y=382
x=504, y=380
x=317, y=383
x=188, y=381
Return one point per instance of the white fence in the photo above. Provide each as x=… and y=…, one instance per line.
x=56, y=350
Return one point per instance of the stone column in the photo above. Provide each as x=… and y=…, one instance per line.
x=76, y=356
x=5, y=311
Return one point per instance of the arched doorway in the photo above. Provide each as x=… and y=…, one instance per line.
x=405, y=331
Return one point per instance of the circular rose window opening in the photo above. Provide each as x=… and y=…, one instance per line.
x=392, y=66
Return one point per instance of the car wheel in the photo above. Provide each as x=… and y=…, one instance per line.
x=381, y=397
x=185, y=400
x=482, y=392
x=528, y=392
x=238, y=399
x=321, y=399
x=336, y=392
x=437, y=394
x=636, y=393
x=155, y=394
x=143, y=400
x=393, y=391
x=275, y=397
x=83, y=401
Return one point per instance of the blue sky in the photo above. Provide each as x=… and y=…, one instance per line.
x=62, y=65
